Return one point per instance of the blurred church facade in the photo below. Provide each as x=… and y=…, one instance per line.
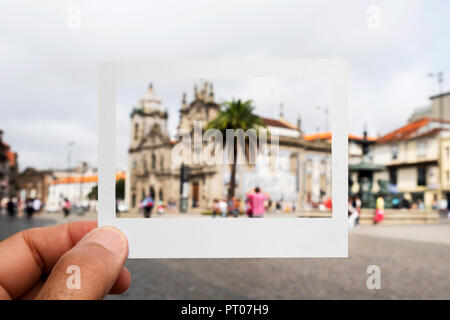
x=301, y=176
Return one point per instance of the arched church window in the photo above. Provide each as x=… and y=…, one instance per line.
x=136, y=131
x=153, y=161
x=293, y=162
x=161, y=163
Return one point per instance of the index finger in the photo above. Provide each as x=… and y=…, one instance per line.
x=26, y=255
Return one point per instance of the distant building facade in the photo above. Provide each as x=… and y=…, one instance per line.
x=301, y=175
x=9, y=168
x=53, y=186
x=411, y=156
x=35, y=183
x=433, y=110
x=355, y=152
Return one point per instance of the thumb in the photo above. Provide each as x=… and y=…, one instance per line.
x=90, y=269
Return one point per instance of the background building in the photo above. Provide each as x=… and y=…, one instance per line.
x=355, y=152
x=8, y=170
x=35, y=184
x=300, y=176
x=53, y=186
x=411, y=156
x=433, y=110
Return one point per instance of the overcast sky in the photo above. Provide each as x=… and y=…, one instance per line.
x=48, y=68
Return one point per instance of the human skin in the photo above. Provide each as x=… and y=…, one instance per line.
x=34, y=263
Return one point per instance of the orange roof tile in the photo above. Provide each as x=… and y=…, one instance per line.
x=327, y=136
x=85, y=179
x=281, y=123
x=405, y=132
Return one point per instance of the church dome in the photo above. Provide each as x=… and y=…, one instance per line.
x=150, y=101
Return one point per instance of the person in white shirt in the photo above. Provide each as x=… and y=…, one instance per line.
x=36, y=205
x=223, y=208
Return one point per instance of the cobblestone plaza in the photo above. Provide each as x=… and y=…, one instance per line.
x=413, y=259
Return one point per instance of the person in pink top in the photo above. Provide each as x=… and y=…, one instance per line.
x=256, y=200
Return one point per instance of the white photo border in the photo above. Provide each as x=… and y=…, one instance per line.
x=227, y=238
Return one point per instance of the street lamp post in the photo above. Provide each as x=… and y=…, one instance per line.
x=70, y=145
x=440, y=78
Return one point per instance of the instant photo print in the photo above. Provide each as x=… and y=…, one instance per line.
x=190, y=168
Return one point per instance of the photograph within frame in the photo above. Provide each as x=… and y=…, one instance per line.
x=227, y=238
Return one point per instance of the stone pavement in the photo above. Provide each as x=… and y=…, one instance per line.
x=434, y=233
x=414, y=262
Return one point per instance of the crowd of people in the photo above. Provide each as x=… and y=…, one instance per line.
x=147, y=205
x=256, y=204
x=31, y=206
x=354, y=211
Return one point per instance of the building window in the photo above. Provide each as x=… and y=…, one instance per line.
x=447, y=151
x=133, y=200
x=323, y=177
x=153, y=161
x=136, y=131
x=134, y=164
x=394, y=152
x=393, y=176
x=152, y=192
x=421, y=149
x=422, y=176
x=161, y=163
x=293, y=163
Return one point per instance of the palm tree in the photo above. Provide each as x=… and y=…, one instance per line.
x=235, y=114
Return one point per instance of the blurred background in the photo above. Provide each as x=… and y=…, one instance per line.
x=399, y=143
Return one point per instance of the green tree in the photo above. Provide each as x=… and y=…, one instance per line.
x=120, y=191
x=235, y=114
x=93, y=195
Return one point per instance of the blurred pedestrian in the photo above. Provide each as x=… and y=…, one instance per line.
x=160, y=207
x=278, y=206
x=248, y=208
x=257, y=199
x=223, y=208
x=147, y=205
x=37, y=205
x=11, y=207
x=352, y=213
x=29, y=208
x=67, y=206
x=379, y=211
x=233, y=206
x=358, y=205
x=395, y=202
x=216, y=209
x=421, y=205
